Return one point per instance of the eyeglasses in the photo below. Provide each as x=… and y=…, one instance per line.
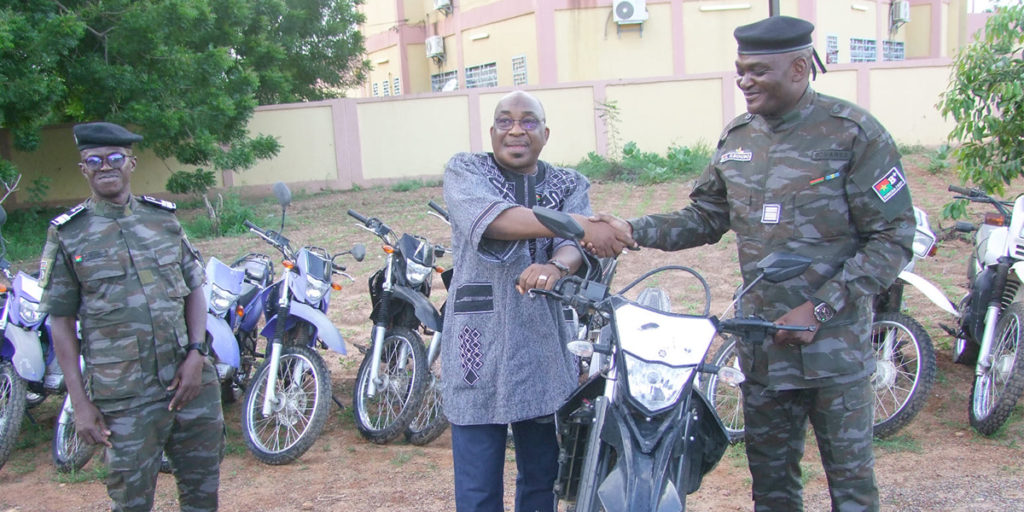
x=114, y=160
x=527, y=123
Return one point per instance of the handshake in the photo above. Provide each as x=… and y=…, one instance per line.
x=605, y=235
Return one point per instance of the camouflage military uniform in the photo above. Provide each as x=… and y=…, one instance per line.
x=124, y=272
x=824, y=181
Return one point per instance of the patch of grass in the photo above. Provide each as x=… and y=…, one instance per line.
x=911, y=149
x=97, y=472
x=808, y=472
x=646, y=168
x=232, y=212
x=938, y=161
x=401, y=458
x=900, y=443
x=410, y=185
x=25, y=232
x=32, y=434
x=737, y=455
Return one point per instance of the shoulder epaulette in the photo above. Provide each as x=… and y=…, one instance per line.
x=735, y=123
x=159, y=203
x=63, y=218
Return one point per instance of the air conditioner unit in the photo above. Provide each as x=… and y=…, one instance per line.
x=435, y=46
x=443, y=5
x=630, y=11
x=901, y=11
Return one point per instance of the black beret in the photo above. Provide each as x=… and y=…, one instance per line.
x=95, y=135
x=778, y=34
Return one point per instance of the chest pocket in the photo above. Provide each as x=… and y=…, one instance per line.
x=103, y=285
x=169, y=269
x=821, y=210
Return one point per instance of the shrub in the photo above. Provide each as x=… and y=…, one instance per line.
x=646, y=168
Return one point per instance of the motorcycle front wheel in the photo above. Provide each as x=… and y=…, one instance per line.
x=904, y=371
x=996, y=391
x=12, y=408
x=69, y=452
x=298, y=411
x=430, y=422
x=402, y=373
x=727, y=399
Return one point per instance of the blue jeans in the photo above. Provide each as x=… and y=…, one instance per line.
x=478, y=452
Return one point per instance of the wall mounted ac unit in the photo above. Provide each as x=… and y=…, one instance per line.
x=443, y=5
x=630, y=11
x=901, y=12
x=435, y=46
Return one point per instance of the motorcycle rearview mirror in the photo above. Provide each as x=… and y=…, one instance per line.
x=284, y=198
x=783, y=266
x=560, y=223
x=358, y=252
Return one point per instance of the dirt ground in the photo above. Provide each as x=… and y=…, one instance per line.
x=935, y=463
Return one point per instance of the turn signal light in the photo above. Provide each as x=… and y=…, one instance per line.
x=388, y=249
x=995, y=219
x=439, y=269
x=288, y=264
x=240, y=311
x=336, y=287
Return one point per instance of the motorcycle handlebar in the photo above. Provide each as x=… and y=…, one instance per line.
x=356, y=215
x=752, y=324
x=439, y=209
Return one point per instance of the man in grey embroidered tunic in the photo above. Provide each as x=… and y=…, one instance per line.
x=806, y=173
x=503, y=351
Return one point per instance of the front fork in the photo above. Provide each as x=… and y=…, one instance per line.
x=380, y=330
x=992, y=316
x=270, y=396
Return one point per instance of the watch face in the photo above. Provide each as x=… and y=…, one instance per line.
x=823, y=312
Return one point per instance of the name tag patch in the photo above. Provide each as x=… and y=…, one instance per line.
x=737, y=156
x=771, y=213
x=888, y=186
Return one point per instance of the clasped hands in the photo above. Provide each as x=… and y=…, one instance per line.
x=606, y=236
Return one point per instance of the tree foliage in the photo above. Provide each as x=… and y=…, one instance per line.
x=986, y=100
x=186, y=74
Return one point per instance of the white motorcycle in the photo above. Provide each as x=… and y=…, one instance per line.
x=989, y=332
x=904, y=353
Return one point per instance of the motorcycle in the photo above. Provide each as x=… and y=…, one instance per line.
x=28, y=364
x=286, y=402
x=393, y=376
x=639, y=435
x=904, y=352
x=988, y=334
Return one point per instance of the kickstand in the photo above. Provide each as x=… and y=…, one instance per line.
x=340, y=405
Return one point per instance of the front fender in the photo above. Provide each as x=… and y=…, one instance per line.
x=28, y=352
x=326, y=331
x=223, y=340
x=931, y=291
x=424, y=310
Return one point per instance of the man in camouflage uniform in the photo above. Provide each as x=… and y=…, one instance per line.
x=805, y=173
x=123, y=266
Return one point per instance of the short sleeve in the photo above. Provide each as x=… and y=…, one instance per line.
x=61, y=295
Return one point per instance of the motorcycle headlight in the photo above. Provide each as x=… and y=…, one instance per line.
x=416, y=273
x=315, y=289
x=923, y=243
x=29, y=311
x=220, y=300
x=655, y=385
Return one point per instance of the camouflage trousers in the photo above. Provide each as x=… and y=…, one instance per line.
x=775, y=425
x=192, y=438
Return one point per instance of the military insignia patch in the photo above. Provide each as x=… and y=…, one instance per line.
x=888, y=186
x=63, y=218
x=44, y=272
x=166, y=205
x=736, y=156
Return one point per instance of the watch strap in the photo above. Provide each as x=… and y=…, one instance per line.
x=199, y=347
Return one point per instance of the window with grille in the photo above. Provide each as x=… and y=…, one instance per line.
x=832, y=50
x=437, y=81
x=519, y=70
x=863, y=50
x=396, y=89
x=893, y=50
x=484, y=75
x=376, y=90
x=387, y=87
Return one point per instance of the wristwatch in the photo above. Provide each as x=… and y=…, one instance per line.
x=202, y=348
x=823, y=312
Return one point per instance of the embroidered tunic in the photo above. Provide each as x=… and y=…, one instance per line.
x=503, y=354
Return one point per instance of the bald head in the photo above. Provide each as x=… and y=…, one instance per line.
x=522, y=101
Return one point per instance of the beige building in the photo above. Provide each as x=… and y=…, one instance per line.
x=422, y=46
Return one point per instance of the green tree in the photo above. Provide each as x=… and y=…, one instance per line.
x=986, y=100
x=187, y=74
